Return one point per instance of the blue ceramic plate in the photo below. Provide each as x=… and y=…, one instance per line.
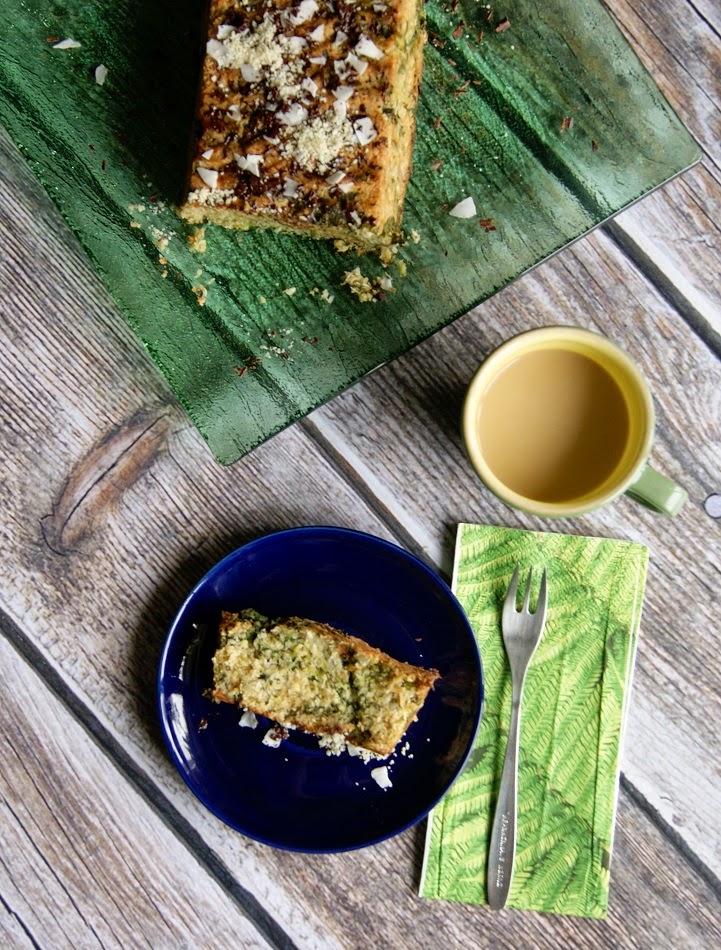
x=296, y=796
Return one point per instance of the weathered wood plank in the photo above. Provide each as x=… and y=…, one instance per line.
x=400, y=430
x=103, y=539
x=678, y=227
x=12, y=932
x=85, y=861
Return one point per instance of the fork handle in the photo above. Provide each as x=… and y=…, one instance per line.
x=502, y=849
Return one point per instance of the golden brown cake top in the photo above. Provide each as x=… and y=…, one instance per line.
x=295, y=106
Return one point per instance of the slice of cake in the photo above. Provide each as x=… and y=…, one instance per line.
x=307, y=117
x=312, y=677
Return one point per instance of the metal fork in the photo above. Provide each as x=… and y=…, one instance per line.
x=521, y=632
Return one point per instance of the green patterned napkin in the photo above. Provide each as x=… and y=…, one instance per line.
x=573, y=713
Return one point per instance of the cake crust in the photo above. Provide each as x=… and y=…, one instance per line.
x=313, y=677
x=306, y=117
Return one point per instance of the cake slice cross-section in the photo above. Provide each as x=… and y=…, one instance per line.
x=310, y=676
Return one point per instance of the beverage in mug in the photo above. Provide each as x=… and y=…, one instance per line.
x=559, y=421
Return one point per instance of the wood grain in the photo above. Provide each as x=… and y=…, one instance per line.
x=677, y=228
x=85, y=861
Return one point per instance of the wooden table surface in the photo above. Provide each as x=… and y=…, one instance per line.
x=112, y=508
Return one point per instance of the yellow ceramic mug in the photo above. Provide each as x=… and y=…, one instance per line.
x=560, y=421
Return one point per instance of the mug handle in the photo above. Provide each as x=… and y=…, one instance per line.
x=655, y=491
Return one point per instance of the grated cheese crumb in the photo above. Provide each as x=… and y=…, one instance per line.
x=206, y=196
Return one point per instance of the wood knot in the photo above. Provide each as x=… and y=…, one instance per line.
x=99, y=480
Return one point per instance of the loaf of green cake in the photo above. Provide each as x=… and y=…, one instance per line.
x=307, y=116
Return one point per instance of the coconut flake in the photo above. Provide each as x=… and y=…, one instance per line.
x=335, y=177
x=341, y=67
x=248, y=720
x=209, y=176
x=365, y=131
x=290, y=188
x=294, y=114
x=251, y=163
x=340, y=38
x=224, y=31
x=271, y=141
x=305, y=11
x=366, y=47
x=101, y=74
x=380, y=776
x=318, y=60
x=356, y=218
x=208, y=153
x=216, y=50
x=346, y=187
x=250, y=73
x=343, y=93
x=310, y=86
x=340, y=109
x=464, y=209
x=234, y=111
x=66, y=44
x=360, y=65
x=318, y=34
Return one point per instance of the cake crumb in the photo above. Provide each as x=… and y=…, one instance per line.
x=359, y=285
x=335, y=743
x=274, y=736
x=196, y=241
x=388, y=254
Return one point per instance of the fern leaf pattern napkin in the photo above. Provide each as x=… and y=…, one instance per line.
x=573, y=712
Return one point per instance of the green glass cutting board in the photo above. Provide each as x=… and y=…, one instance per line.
x=551, y=125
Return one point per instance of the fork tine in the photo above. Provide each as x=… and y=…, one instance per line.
x=527, y=595
x=509, y=604
x=542, y=604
